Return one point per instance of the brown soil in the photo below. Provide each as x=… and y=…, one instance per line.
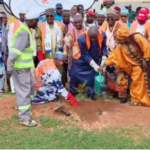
x=90, y=114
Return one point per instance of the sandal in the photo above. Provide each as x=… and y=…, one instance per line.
x=135, y=104
x=29, y=123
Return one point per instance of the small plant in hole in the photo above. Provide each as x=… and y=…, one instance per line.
x=82, y=91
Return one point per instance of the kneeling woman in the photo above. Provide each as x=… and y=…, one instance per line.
x=48, y=83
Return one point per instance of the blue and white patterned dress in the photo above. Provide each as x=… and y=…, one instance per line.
x=51, y=89
x=3, y=48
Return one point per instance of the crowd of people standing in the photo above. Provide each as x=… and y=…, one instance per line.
x=42, y=53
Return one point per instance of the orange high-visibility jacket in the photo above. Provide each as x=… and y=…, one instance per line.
x=76, y=48
x=16, y=26
x=43, y=32
x=135, y=25
x=104, y=26
x=46, y=65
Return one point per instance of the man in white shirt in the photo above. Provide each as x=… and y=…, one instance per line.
x=140, y=25
x=90, y=20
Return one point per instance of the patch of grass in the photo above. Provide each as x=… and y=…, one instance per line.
x=49, y=122
x=9, y=93
x=67, y=139
x=3, y=95
x=9, y=122
x=4, y=123
x=19, y=137
x=73, y=119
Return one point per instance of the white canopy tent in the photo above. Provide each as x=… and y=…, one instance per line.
x=14, y=6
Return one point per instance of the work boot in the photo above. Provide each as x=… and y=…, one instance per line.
x=91, y=93
x=29, y=123
x=123, y=100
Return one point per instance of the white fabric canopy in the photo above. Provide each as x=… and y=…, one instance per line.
x=41, y=5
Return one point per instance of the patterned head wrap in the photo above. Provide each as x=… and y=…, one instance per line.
x=123, y=33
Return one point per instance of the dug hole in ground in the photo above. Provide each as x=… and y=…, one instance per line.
x=88, y=115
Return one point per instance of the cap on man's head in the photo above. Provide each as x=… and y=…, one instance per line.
x=117, y=8
x=145, y=10
x=59, y=55
x=32, y=15
x=102, y=12
x=49, y=11
x=111, y=11
x=128, y=5
x=90, y=13
x=124, y=11
x=77, y=17
x=59, y=5
x=142, y=16
x=23, y=11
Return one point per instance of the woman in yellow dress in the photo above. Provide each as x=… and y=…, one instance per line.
x=133, y=56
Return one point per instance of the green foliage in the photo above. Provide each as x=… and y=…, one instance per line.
x=82, y=91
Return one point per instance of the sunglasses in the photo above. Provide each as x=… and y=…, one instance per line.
x=49, y=16
x=123, y=16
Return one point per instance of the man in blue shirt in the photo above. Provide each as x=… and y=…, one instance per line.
x=58, y=13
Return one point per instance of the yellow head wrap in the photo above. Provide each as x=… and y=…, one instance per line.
x=123, y=33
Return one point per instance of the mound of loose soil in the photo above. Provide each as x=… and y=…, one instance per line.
x=90, y=114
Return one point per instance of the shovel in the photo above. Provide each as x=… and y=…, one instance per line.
x=59, y=106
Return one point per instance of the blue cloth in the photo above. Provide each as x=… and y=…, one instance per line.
x=81, y=70
x=0, y=35
x=129, y=25
x=42, y=19
x=58, y=17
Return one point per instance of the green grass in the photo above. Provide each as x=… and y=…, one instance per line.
x=3, y=95
x=48, y=122
x=54, y=134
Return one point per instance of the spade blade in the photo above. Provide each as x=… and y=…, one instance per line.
x=58, y=105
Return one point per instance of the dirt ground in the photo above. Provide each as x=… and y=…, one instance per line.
x=89, y=115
